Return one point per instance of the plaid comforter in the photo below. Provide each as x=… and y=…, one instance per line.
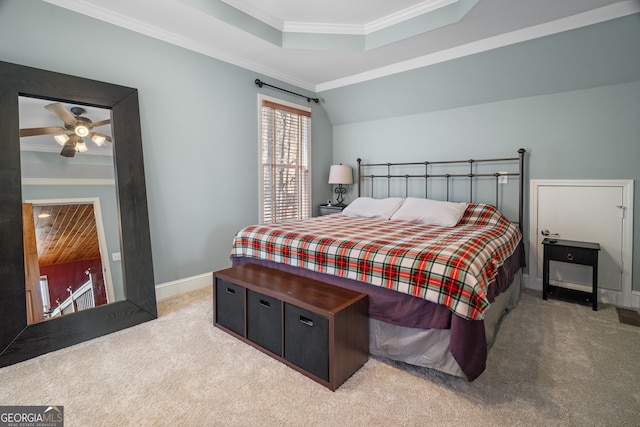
x=445, y=265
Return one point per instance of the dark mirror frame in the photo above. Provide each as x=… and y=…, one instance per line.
x=19, y=341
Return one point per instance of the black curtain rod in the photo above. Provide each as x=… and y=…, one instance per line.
x=260, y=83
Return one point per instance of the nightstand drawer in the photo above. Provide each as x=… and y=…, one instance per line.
x=329, y=209
x=571, y=254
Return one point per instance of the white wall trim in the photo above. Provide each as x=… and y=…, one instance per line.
x=263, y=97
x=176, y=287
x=365, y=29
x=628, y=295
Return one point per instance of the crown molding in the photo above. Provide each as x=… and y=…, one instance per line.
x=320, y=28
x=406, y=14
x=351, y=29
x=368, y=28
x=123, y=21
x=258, y=14
x=584, y=19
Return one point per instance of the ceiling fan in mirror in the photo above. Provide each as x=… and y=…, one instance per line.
x=76, y=127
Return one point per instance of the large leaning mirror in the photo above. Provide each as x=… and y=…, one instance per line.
x=22, y=338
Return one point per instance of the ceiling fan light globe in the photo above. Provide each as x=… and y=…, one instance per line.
x=61, y=138
x=81, y=147
x=98, y=139
x=81, y=131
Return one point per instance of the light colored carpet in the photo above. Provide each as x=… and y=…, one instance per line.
x=553, y=363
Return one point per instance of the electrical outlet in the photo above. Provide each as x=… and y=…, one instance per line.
x=115, y=256
x=502, y=179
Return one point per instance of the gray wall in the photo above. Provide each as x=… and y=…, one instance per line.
x=571, y=100
x=586, y=134
x=199, y=127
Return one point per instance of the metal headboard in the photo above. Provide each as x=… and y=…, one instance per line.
x=391, y=173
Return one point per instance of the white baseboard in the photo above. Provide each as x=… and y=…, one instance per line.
x=169, y=289
x=531, y=283
x=604, y=295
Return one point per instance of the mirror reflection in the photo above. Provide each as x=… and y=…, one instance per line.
x=70, y=211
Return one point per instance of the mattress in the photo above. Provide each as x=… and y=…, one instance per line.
x=450, y=266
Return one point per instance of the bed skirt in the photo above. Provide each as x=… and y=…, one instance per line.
x=430, y=348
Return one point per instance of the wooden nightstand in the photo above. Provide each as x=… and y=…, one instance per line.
x=325, y=209
x=573, y=252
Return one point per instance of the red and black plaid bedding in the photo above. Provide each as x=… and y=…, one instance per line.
x=447, y=265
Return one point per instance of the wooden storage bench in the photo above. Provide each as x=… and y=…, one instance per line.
x=318, y=329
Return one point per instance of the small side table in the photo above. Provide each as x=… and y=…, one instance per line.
x=573, y=252
x=326, y=209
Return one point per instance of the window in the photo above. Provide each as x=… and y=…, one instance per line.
x=285, y=159
x=44, y=291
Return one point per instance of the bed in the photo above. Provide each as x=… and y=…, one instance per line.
x=440, y=274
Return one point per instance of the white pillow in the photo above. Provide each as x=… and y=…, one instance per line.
x=446, y=214
x=373, y=208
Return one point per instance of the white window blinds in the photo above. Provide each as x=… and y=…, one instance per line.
x=285, y=158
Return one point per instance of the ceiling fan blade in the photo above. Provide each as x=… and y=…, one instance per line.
x=61, y=112
x=101, y=123
x=41, y=131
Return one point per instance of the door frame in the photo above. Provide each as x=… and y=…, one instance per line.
x=102, y=240
x=627, y=297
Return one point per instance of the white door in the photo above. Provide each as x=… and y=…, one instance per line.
x=589, y=211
